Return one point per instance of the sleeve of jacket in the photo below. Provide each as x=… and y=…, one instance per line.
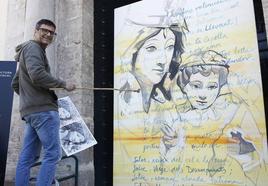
x=35, y=63
x=15, y=83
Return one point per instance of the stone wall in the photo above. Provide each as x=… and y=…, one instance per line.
x=74, y=59
x=14, y=36
x=3, y=23
x=73, y=54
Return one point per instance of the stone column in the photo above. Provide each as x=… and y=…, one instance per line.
x=3, y=23
x=13, y=36
x=14, y=26
x=74, y=48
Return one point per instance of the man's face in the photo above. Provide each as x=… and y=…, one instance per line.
x=44, y=35
x=202, y=91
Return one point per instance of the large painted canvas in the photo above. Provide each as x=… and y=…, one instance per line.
x=190, y=108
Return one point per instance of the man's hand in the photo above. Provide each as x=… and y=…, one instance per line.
x=69, y=86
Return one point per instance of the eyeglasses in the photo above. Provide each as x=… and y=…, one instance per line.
x=46, y=31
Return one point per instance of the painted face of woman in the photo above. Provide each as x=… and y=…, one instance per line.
x=154, y=57
x=202, y=91
x=76, y=137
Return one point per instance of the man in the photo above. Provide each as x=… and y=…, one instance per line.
x=38, y=105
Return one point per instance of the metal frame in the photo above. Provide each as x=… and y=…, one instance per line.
x=60, y=179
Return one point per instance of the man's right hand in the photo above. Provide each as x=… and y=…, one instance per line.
x=69, y=86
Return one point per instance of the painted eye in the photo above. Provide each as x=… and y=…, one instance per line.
x=195, y=85
x=151, y=49
x=170, y=47
x=215, y=86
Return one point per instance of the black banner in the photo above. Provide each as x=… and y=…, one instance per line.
x=7, y=71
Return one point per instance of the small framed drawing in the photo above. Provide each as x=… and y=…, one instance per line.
x=74, y=133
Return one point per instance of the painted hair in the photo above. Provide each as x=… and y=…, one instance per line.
x=205, y=63
x=205, y=70
x=74, y=127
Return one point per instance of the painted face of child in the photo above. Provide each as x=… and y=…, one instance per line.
x=202, y=91
x=155, y=55
x=76, y=137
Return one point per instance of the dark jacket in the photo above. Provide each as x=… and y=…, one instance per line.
x=33, y=80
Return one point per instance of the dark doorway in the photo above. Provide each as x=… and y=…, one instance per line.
x=263, y=49
x=103, y=77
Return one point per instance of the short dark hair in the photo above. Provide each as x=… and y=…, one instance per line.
x=44, y=22
x=205, y=70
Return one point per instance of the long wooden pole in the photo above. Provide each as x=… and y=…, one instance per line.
x=95, y=88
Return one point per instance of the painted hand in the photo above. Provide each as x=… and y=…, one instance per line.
x=242, y=150
x=172, y=141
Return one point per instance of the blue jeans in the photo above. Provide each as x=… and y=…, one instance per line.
x=42, y=128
